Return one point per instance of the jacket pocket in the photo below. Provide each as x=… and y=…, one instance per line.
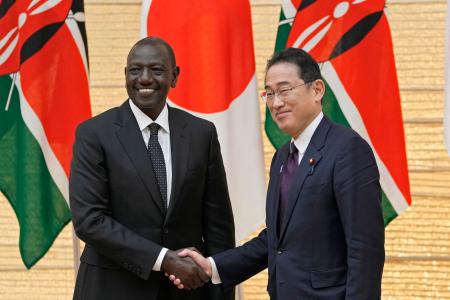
x=328, y=278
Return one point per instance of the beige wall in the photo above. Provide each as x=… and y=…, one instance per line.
x=417, y=243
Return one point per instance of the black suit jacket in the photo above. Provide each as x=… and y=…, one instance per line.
x=117, y=208
x=331, y=245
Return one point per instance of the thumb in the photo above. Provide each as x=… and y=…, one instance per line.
x=184, y=253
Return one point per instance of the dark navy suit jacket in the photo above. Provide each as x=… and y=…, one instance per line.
x=118, y=212
x=331, y=242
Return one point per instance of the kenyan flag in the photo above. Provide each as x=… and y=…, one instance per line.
x=351, y=40
x=43, y=96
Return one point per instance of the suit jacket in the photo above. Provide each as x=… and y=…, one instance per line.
x=331, y=243
x=117, y=208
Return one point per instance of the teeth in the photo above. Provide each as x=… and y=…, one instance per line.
x=145, y=90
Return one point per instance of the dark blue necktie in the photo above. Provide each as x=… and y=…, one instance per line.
x=287, y=176
x=158, y=164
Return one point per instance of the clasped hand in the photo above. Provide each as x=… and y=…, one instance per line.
x=186, y=268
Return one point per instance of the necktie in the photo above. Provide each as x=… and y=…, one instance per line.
x=158, y=164
x=287, y=176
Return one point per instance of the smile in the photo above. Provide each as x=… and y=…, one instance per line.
x=281, y=114
x=145, y=92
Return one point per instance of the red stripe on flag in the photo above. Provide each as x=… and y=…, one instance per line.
x=55, y=83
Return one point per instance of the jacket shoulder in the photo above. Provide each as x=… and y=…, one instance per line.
x=101, y=120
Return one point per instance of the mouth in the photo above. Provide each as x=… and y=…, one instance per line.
x=145, y=92
x=281, y=114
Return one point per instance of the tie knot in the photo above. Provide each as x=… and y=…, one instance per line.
x=154, y=127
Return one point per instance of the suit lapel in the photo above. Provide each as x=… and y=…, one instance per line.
x=312, y=152
x=179, y=144
x=130, y=137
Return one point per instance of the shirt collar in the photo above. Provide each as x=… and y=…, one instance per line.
x=143, y=120
x=302, y=141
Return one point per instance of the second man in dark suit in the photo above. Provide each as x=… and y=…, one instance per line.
x=325, y=234
x=147, y=179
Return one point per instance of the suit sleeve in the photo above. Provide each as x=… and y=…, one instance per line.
x=91, y=213
x=241, y=263
x=218, y=222
x=358, y=195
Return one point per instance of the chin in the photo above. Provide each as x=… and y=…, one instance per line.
x=283, y=127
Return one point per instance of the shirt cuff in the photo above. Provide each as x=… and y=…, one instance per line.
x=215, y=278
x=159, y=260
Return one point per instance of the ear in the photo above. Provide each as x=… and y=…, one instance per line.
x=176, y=73
x=319, y=89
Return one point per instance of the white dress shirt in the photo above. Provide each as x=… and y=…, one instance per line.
x=301, y=142
x=164, y=140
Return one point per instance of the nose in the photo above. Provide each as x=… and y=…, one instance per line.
x=277, y=102
x=146, y=76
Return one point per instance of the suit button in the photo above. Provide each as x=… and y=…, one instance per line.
x=166, y=230
x=279, y=251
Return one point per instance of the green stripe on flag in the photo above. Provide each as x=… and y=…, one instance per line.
x=389, y=212
x=26, y=182
x=282, y=34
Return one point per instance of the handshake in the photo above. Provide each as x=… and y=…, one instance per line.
x=186, y=268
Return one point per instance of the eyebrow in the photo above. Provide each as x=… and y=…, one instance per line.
x=278, y=84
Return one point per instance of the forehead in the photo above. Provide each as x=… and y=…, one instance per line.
x=282, y=73
x=149, y=53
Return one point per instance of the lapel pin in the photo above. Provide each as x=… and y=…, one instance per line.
x=312, y=163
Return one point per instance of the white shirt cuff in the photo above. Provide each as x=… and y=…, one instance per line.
x=215, y=278
x=159, y=260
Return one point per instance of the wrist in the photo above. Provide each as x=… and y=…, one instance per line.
x=166, y=262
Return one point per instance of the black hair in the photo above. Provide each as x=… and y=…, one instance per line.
x=308, y=69
x=154, y=40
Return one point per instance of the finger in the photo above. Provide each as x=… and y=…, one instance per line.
x=201, y=261
x=177, y=282
x=193, y=249
x=184, y=253
x=165, y=273
x=180, y=286
x=172, y=278
x=197, y=257
x=202, y=276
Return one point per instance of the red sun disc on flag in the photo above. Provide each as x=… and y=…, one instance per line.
x=213, y=45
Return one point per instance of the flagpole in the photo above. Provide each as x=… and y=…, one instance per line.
x=8, y=101
x=76, y=252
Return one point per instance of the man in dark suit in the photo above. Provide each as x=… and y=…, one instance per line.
x=147, y=179
x=325, y=234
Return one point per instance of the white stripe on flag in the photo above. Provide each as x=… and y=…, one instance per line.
x=74, y=30
x=145, y=10
x=34, y=124
x=289, y=10
x=353, y=117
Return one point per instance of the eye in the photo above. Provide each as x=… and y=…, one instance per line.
x=285, y=91
x=270, y=94
x=133, y=70
x=158, y=71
